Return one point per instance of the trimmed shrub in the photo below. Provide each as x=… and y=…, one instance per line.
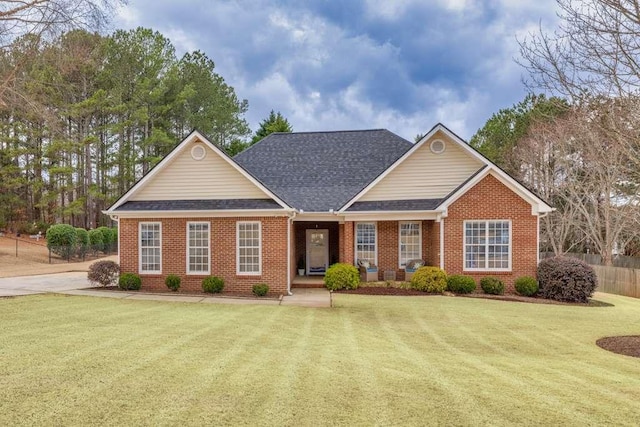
x=213, y=284
x=114, y=238
x=96, y=240
x=129, y=282
x=61, y=240
x=103, y=273
x=341, y=276
x=526, y=286
x=492, y=285
x=566, y=279
x=460, y=284
x=82, y=242
x=429, y=279
x=260, y=290
x=106, y=238
x=173, y=282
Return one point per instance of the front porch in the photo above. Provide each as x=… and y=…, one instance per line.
x=308, y=282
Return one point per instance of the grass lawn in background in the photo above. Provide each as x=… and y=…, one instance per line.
x=370, y=360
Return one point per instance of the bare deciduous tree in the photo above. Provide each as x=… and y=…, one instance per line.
x=582, y=163
x=594, y=52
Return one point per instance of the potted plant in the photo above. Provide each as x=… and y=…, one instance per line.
x=301, y=266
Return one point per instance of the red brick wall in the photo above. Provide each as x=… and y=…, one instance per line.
x=490, y=199
x=223, y=253
x=348, y=247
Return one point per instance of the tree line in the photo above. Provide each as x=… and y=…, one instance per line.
x=83, y=116
x=578, y=146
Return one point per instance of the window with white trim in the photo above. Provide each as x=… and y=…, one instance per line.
x=249, y=248
x=198, y=248
x=150, y=245
x=366, y=241
x=410, y=242
x=487, y=245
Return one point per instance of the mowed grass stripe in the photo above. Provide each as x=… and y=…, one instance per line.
x=369, y=361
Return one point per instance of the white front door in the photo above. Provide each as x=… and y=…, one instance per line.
x=317, y=251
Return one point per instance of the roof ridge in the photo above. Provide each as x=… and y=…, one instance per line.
x=331, y=131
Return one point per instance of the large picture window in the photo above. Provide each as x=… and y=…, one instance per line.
x=366, y=241
x=249, y=248
x=487, y=245
x=150, y=245
x=198, y=248
x=410, y=242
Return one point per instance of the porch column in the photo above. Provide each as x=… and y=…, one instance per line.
x=345, y=232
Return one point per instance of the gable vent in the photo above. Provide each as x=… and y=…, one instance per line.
x=437, y=146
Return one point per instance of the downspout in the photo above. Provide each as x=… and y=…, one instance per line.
x=442, y=243
x=542, y=215
x=289, y=224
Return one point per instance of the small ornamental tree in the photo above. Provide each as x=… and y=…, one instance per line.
x=61, y=240
x=341, y=276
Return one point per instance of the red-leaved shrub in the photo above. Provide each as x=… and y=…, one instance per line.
x=566, y=279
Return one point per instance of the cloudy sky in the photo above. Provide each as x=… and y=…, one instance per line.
x=403, y=65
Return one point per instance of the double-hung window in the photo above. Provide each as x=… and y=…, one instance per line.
x=249, y=248
x=150, y=246
x=487, y=245
x=198, y=243
x=410, y=242
x=366, y=240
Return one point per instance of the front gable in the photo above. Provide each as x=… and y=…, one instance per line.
x=196, y=170
x=432, y=171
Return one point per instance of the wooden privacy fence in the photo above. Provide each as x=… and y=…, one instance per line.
x=618, y=280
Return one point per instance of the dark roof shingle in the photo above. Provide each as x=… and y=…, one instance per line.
x=319, y=171
x=395, y=205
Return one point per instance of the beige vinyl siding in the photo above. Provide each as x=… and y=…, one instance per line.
x=425, y=175
x=188, y=179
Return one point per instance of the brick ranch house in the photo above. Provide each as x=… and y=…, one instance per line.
x=320, y=198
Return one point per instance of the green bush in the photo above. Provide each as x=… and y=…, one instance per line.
x=341, y=276
x=460, y=284
x=213, y=284
x=260, y=290
x=106, y=238
x=96, y=240
x=173, y=282
x=129, y=282
x=526, y=286
x=566, y=279
x=103, y=272
x=492, y=285
x=114, y=238
x=82, y=242
x=429, y=279
x=61, y=240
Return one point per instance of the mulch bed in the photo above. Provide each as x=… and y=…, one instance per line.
x=382, y=290
x=626, y=345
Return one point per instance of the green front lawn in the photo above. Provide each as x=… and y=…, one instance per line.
x=370, y=360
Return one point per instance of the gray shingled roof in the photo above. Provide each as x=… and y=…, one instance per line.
x=395, y=205
x=196, y=205
x=319, y=171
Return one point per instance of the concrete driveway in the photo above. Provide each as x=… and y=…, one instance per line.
x=28, y=285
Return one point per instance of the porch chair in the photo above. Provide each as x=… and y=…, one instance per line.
x=411, y=267
x=368, y=271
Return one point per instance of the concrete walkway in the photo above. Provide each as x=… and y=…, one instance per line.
x=76, y=283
